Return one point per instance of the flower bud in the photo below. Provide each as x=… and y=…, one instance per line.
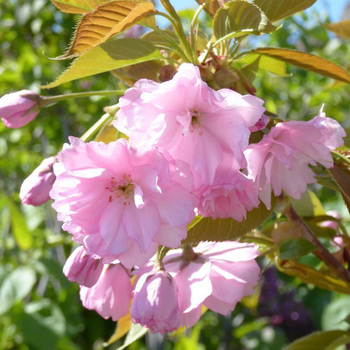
x=19, y=108
x=36, y=187
x=82, y=268
x=260, y=124
x=111, y=295
x=155, y=304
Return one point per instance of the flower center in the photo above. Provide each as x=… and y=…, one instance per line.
x=124, y=189
x=196, y=121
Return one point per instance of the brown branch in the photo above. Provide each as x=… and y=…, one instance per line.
x=322, y=253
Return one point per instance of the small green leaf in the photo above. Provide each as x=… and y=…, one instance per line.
x=220, y=230
x=307, y=61
x=20, y=230
x=341, y=28
x=136, y=332
x=109, y=56
x=16, y=286
x=78, y=6
x=239, y=18
x=295, y=248
x=279, y=9
x=329, y=340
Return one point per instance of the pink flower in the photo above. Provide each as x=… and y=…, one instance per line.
x=82, y=268
x=231, y=195
x=280, y=161
x=36, y=187
x=217, y=275
x=110, y=296
x=155, y=303
x=121, y=203
x=19, y=108
x=190, y=120
x=260, y=124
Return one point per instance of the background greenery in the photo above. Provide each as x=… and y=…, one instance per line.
x=39, y=308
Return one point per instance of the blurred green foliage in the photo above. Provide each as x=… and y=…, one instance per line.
x=39, y=308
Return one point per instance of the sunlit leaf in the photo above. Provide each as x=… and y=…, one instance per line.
x=220, y=230
x=19, y=227
x=16, y=286
x=161, y=38
x=309, y=275
x=341, y=28
x=123, y=327
x=278, y=9
x=109, y=56
x=78, y=6
x=239, y=18
x=329, y=340
x=295, y=248
x=107, y=134
x=106, y=21
x=309, y=205
x=136, y=332
x=307, y=61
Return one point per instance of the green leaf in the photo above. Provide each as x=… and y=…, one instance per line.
x=309, y=205
x=341, y=28
x=78, y=6
x=136, y=332
x=342, y=178
x=41, y=324
x=20, y=230
x=220, y=230
x=295, y=248
x=321, y=341
x=239, y=18
x=307, y=61
x=16, y=286
x=109, y=56
x=123, y=327
x=279, y=9
x=335, y=314
x=105, y=22
x=160, y=38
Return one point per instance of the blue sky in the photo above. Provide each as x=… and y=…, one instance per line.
x=334, y=7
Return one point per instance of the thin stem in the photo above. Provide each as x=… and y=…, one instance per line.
x=178, y=27
x=158, y=264
x=47, y=100
x=322, y=253
x=96, y=127
x=193, y=38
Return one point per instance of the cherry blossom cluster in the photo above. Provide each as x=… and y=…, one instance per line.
x=188, y=153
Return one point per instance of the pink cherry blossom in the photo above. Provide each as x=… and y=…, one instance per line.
x=110, y=296
x=280, y=161
x=190, y=120
x=260, y=124
x=155, y=303
x=216, y=275
x=120, y=203
x=82, y=268
x=19, y=108
x=36, y=187
x=232, y=194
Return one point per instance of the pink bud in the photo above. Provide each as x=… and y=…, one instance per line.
x=19, y=108
x=260, y=124
x=111, y=295
x=82, y=268
x=36, y=187
x=155, y=304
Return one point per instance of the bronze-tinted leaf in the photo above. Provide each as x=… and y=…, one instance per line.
x=220, y=230
x=278, y=9
x=106, y=21
x=78, y=6
x=341, y=28
x=342, y=178
x=307, y=61
x=108, y=56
